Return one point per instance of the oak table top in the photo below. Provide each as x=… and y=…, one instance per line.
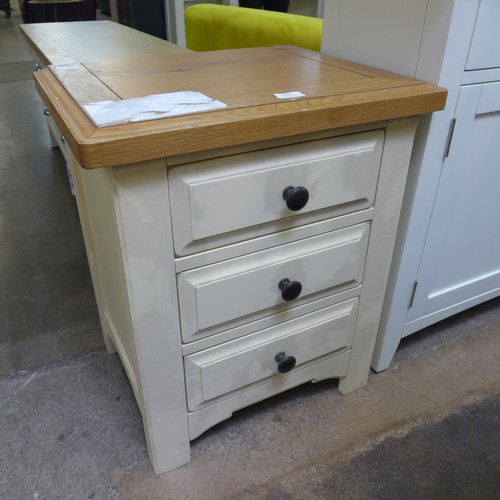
x=333, y=93
x=69, y=42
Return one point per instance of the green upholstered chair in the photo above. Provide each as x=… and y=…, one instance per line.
x=215, y=27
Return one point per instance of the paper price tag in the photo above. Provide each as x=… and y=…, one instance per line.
x=290, y=95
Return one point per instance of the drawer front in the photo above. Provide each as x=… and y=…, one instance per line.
x=242, y=364
x=223, y=200
x=211, y=297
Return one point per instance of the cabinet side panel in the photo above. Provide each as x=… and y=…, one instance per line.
x=366, y=33
x=485, y=47
x=104, y=254
x=142, y=206
x=393, y=172
x=448, y=29
x=94, y=194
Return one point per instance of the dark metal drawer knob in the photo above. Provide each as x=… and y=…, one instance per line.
x=296, y=197
x=285, y=363
x=290, y=290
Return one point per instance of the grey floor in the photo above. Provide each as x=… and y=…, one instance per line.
x=427, y=428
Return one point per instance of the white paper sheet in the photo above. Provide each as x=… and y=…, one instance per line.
x=151, y=107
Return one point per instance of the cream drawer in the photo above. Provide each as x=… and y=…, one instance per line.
x=243, y=364
x=213, y=297
x=223, y=200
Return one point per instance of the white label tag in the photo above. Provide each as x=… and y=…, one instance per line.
x=290, y=95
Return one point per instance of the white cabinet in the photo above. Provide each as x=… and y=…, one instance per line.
x=447, y=255
x=460, y=263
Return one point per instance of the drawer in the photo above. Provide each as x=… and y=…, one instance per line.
x=243, y=364
x=224, y=200
x=213, y=297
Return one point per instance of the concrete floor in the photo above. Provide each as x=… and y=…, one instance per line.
x=427, y=428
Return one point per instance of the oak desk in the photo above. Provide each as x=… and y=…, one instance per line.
x=72, y=42
x=66, y=43
x=237, y=252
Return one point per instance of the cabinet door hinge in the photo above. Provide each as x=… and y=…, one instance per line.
x=412, y=295
x=450, y=137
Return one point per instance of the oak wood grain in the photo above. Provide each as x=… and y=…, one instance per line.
x=66, y=43
x=85, y=86
x=337, y=94
x=241, y=79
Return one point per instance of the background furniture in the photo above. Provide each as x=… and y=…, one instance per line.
x=104, y=7
x=447, y=255
x=5, y=6
x=302, y=7
x=38, y=11
x=48, y=9
x=147, y=16
x=218, y=280
x=214, y=27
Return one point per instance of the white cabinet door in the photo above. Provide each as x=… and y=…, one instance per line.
x=460, y=264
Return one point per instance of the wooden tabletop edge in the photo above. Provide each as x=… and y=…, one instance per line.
x=100, y=150
x=133, y=142
x=71, y=120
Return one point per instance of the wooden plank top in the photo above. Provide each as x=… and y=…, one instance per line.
x=336, y=93
x=70, y=42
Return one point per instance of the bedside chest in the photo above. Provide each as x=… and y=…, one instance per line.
x=242, y=251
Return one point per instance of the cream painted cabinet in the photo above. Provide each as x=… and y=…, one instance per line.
x=239, y=252
x=270, y=249
x=446, y=257
x=277, y=290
